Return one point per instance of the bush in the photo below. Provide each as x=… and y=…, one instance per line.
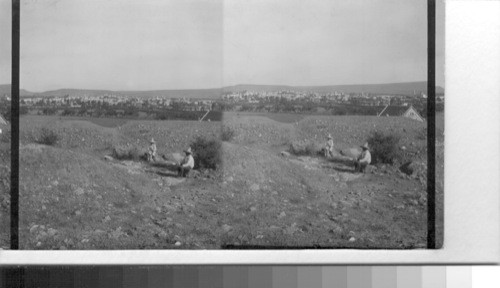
x=122, y=152
x=384, y=148
x=48, y=137
x=304, y=147
x=422, y=134
x=5, y=136
x=207, y=153
x=227, y=134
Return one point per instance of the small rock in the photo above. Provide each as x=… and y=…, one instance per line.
x=282, y=214
x=51, y=232
x=44, y=207
x=158, y=209
x=33, y=228
x=178, y=243
x=38, y=244
x=162, y=234
x=337, y=230
x=78, y=212
x=79, y=191
x=253, y=209
x=352, y=239
x=226, y=228
x=254, y=187
x=285, y=154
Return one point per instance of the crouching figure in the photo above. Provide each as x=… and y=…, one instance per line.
x=186, y=164
x=364, y=159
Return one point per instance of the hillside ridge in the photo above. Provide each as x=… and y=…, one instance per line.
x=403, y=88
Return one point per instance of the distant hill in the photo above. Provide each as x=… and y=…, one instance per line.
x=188, y=93
x=5, y=89
x=406, y=88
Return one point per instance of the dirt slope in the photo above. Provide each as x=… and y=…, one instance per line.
x=5, y=189
x=310, y=202
x=74, y=199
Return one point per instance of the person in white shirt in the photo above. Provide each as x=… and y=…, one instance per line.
x=364, y=159
x=186, y=164
x=329, y=147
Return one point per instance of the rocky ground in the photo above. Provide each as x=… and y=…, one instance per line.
x=5, y=189
x=328, y=204
x=73, y=197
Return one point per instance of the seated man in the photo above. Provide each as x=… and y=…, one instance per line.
x=364, y=159
x=187, y=164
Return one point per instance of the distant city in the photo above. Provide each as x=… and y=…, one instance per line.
x=276, y=99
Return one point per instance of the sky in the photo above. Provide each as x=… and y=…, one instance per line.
x=5, y=41
x=192, y=44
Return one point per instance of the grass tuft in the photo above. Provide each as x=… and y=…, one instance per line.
x=48, y=137
x=122, y=152
x=304, y=147
x=227, y=134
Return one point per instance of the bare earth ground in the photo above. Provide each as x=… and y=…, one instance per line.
x=72, y=198
x=5, y=189
x=439, y=179
x=311, y=201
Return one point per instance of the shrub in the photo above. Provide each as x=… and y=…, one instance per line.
x=48, y=137
x=207, y=153
x=304, y=147
x=384, y=147
x=422, y=134
x=122, y=152
x=227, y=134
x=5, y=136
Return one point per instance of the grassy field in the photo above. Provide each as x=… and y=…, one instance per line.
x=73, y=198
x=278, y=117
x=104, y=122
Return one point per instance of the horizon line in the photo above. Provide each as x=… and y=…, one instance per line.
x=241, y=84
